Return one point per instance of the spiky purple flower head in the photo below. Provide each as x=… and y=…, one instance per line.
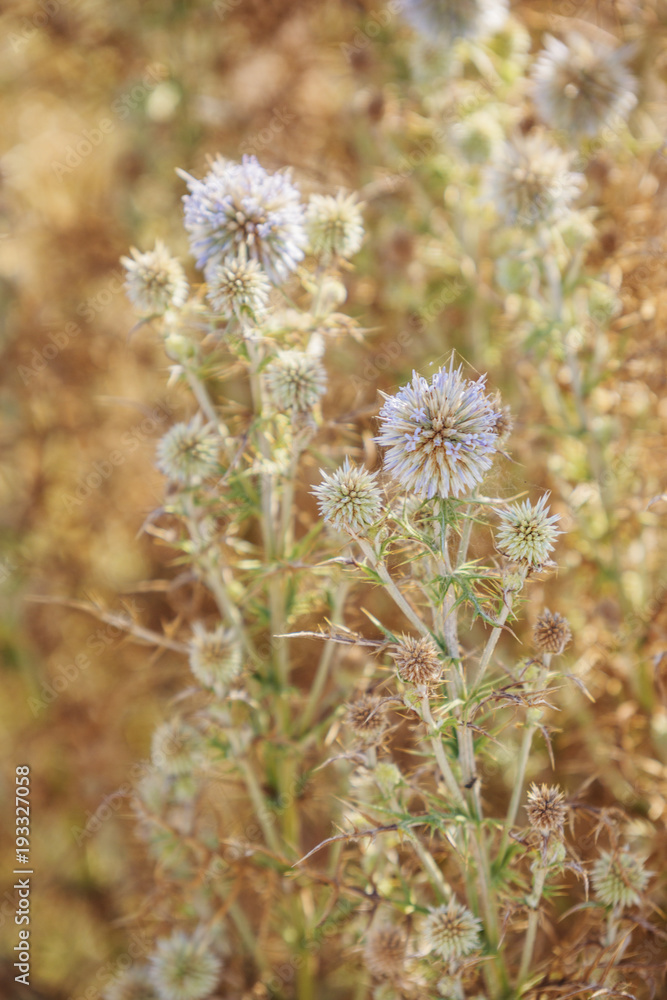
x=441, y=435
x=240, y=210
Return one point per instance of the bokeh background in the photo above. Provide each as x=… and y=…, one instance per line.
x=101, y=101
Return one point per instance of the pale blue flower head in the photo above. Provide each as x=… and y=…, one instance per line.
x=240, y=210
x=441, y=435
x=528, y=533
x=452, y=19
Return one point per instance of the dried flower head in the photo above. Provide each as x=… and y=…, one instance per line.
x=176, y=747
x=155, y=281
x=527, y=534
x=216, y=657
x=296, y=381
x=349, y=499
x=240, y=210
x=452, y=931
x=552, y=632
x=452, y=19
x=366, y=717
x=546, y=809
x=504, y=422
x=335, y=226
x=188, y=452
x=131, y=984
x=440, y=435
x=532, y=183
x=582, y=85
x=384, y=953
x=619, y=879
x=417, y=660
x=182, y=969
x=238, y=287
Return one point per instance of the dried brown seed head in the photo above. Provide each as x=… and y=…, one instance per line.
x=417, y=660
x=552, y=632
x=546, y=809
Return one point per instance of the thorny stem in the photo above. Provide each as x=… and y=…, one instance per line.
x=440, y=756
x=524, y=754
x=533, y=922
x=261, y=806
x=200, y=393
x=393, y=590
x=492, y=641
x=322, y=672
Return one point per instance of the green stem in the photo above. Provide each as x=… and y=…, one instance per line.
x=438, y=750
x=533, y=923
x=392, y=589
x=322, y=672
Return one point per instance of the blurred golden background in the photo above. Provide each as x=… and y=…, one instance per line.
x=101, y=103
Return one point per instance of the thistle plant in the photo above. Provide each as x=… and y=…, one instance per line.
x=355, y=687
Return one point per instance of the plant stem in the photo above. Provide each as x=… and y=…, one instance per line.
x=393, y=590
x=440, y=756
x=533, y=922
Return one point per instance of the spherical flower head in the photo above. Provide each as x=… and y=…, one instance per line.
x=532, y=183
x=552, y=632
x=453, y=19
x=452, y=931
x=240, y=210
x=238, y=287
x=478, y=136
x=181, y=969
x=367, y=719
x=155, y=281
x=440, y=435
x=176, y=748
x=296, y=381
x=216, y=658
x=417, y=660
x=384, y=953
x=131, y=984
x=580, y=85
x=335, y=226
x=188, y=452
x=546, y=809
x=527, y=534
x=349, y=499
x=619, y=879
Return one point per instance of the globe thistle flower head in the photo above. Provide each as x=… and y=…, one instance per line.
x=384, y=954
x=532, y=184
x=349, y=499
x=367, y=719
x=478, y=136
x=155, y=281
x=131, y=984
x=453, y=19
x=296, y=381
x=181, y=969
x=527, y=534
x=452, y=931
x=619, y=879
x=546, y=809
x=417, y=660
x=176, y=748
x=552, y=632
x=334, y=225
x=440, y=435
x=188, y=452
x=240, y=210
x=580, y=85
x=215, y=657
x=238, y=287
